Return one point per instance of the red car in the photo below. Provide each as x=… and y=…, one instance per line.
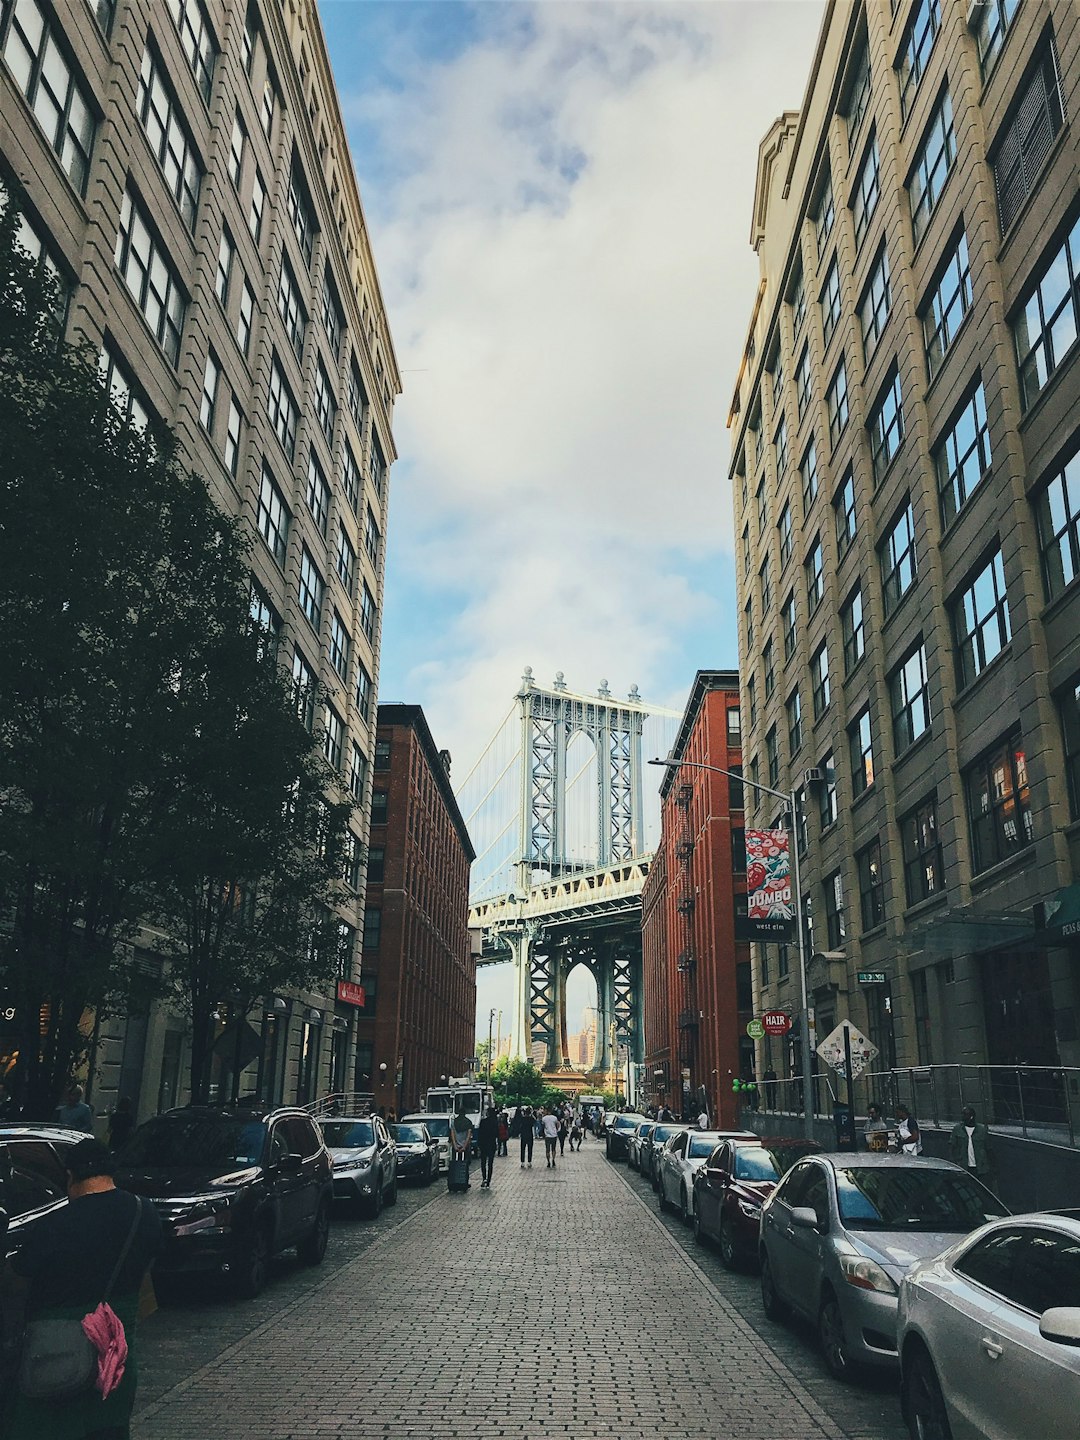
x=731, y=1187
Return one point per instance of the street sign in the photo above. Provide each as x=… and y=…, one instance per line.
x=831, y=1049
x=871, y=977
x=776, y=1022
x=755, y=1030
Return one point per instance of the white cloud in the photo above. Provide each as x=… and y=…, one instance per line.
x=563, y=245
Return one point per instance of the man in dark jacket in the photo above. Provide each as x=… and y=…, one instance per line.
x=969, y=1146
x=487, y=1142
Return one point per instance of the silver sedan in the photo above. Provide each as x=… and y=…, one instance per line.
x=684, y=1154
x=989, y=1333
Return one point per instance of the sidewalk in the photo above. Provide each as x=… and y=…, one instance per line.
x=535, y=1309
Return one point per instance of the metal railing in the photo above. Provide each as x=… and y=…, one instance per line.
x=350, y=1103
x=1039, y=1102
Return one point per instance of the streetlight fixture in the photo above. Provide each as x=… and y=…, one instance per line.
x=789, y=798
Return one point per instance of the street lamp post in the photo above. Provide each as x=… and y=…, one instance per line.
x=491, y=1027
x=789, y=798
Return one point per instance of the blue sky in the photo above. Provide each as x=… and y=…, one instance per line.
x=559, y=200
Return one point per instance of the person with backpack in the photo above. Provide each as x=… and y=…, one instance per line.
x=487, y=1142
x=527, y=1134
x=503, y=1133
x=908, y=1139
x=549, y=1124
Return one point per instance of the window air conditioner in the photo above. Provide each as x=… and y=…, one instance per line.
x=813, y=776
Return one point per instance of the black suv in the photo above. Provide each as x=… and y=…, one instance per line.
x=33, y=1182
x=234, y=1185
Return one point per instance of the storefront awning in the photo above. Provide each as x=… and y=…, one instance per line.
x=964, y=933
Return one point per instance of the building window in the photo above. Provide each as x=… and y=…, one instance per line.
x=273, y=517
x=871, y=886
x=339, y=645
x=836, y=401
x=281, y=408
x=223, y=273
x=949, y=302
x=990, y=19
x=301, y=214
x=751, y=700
x=121, y=391
x=962, y=457
x=245, y=319
x=149, y=275
x=367, y=612
x=919, y=41
x=346, y=562
x=835, y=928
x=830, y=300
x=372, y=935
x=746, y=549
x=333, y=737
x=827, y=796
x=803, y=380
x=1026, y=142
x=379, y=806
x=932, y=166
x=789, y=620
x=382, y=755
x=859, y=99
x=376, y=866
x=808, y=474
x=304, y=685
x=748, y=616
x=798, y=303
x=325, y=404
x=208, y=400
x=794, y=723
x=861, y=741
x=844, y=510
x=266, y=620
x=909, y=695
x=258, y=207
x=1057, y=507
x=814, y=570
x=233, y=435
x=819, y=680
x=1046, y=328
x=924, y=868
x=826, y=214
x=350, y=480
x=311, y=591
x=765, y=585
x=358, y=768
x=999, y=803
x=197, y=41
x=103, y=12
x=333, y=320
x=735, y=788
x=769, y=671
x=851, y=622
x=897, y=557
x=290, y=308
x=772, y=756
x=734, y=724
x=267, y=107
x=867, y=189
x=778, y=381
x=780, y=447
x=762, y=501
x=237, y=147
x=363, y=693
x=168, y=137
x=784, y=528
x=372, y=537
x=980, y=617
x=44, y=74
x=875, y=303
x=1069, y=710
x=318, y=493
x=886, y=426
x=357, y=397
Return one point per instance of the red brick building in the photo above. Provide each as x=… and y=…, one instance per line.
x=696, y=979
x=419, y=1018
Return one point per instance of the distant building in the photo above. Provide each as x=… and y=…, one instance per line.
x=696, y=978
x=418, y=1022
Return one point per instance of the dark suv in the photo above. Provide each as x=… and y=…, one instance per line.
x=32, y=1177
x=234, y=1185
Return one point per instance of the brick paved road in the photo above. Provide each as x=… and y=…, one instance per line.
x=449, y=1317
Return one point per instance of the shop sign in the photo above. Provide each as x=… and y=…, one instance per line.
x=351, y=994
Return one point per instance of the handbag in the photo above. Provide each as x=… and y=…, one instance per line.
x=58, y=1360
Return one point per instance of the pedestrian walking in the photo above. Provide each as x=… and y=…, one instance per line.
x=73, y=1112
x=969, y=1146
x=487, y=1142
x=121, y=1123
x=527, y=1133
x=94, y=1249
x=503, y=1133
x=550, y=1126
x=461, y=1143
x=703, y=1120
x=876, y=1132
x=575, y=1134
x=908, y=1139
x=564, y=1130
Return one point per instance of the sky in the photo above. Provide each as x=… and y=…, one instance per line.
x=559, y=200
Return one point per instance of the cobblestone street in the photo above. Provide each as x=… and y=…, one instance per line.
x=559, y=1303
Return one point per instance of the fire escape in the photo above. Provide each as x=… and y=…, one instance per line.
x=686, y=964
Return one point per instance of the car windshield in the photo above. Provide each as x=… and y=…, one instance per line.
x=701, y=1146
x=752, y=1163
x=663, y=1132
x=408, y=1134
x=627, y=1122
x=896, y=1197
x=438, y=1125
x=645, y=1131
x=348, y=1134
x=169, y=1142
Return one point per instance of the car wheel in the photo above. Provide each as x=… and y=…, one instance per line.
x=923, y=1402
x=834, y=1347
x=684, y=1209
x=699, y=1233
x=729, y=1255
x=253, y=1265
x=312, y=1249
x=774, y=1307
x=391, y=1199
x=375, y=1204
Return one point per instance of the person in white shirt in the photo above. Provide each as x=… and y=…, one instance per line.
x=703, y=1120
x=551, y=1136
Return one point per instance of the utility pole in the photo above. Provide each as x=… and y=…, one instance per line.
x=491, y=1026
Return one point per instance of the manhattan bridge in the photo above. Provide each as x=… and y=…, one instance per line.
x=565, y=825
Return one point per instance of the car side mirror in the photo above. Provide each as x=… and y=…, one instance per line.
x=1061, y=1324
x=804, y=1217
x=291, y=1164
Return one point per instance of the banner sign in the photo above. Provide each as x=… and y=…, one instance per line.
x=351, y=993
x=770, y=910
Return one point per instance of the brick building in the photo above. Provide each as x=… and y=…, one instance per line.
x=418, y=1023
x=696, y=979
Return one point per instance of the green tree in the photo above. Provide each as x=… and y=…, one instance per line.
x=518, y=1080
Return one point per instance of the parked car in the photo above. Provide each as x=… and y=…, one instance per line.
x=681, y=1157
x=234, y=1185
x=417, y=1152
x=32, y=1176
x=989, y=1333
x=633, y=1152
x=619, y=1130
x=653, y=1144
x=731, y=1187
x=839, y=1233
x=438, y=1126
x=365, y=1161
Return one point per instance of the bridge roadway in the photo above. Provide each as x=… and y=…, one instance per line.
x=559, y=1303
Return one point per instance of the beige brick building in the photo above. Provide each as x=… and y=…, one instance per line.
x=188, y=175
x=906, y=485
